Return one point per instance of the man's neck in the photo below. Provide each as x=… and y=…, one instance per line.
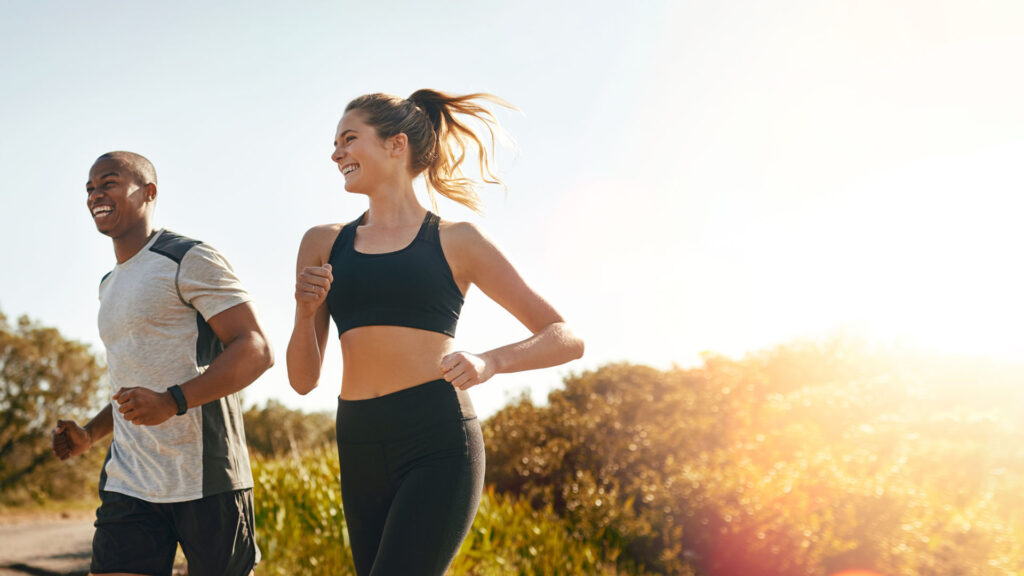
x=129, y=243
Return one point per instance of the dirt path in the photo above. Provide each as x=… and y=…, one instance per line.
x=50, y=544
x=46, y=546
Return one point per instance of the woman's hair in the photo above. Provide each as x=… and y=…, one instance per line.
x=438, y=137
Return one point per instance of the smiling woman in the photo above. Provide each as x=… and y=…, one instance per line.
x=402, y=274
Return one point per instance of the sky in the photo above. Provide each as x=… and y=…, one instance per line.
x=687, y=177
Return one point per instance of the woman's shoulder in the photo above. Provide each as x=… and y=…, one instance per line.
x=322, y=233
x=460, y=232
x=317, y=242
x=466, y=241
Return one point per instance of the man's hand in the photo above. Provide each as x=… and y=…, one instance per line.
x=69, y=439
x=145, y=407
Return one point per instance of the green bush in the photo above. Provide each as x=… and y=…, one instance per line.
x=805, y=459
x=301, y=529
x=300, y=524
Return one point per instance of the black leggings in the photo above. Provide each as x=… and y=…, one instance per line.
x=412, y=472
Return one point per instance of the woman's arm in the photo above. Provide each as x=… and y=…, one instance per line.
x=475, y=259
x=308, y=343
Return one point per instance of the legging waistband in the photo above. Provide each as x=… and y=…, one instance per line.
x=402, y=413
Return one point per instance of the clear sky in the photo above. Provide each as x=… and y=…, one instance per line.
x=690, y=176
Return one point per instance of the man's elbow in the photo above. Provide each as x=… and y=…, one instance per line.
x=265, y=354
x=259, y=355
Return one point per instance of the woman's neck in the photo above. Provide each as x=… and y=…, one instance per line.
x=395, y=207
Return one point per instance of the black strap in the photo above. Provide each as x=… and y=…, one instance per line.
x=428, y=230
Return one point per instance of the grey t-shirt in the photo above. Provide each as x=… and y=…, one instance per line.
x=152, y=319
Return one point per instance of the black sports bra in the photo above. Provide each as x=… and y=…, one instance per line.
x=411, y=287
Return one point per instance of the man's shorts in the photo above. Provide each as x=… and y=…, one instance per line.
x=216, y=534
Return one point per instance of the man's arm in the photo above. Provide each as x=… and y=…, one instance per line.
x=246, y=356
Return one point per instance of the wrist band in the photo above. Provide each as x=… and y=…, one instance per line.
x=179, y=399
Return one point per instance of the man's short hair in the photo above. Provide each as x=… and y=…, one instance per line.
x=140, y=168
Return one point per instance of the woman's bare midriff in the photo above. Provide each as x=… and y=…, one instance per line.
x=379, y=360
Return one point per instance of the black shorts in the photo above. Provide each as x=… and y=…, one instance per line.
x=216, y=534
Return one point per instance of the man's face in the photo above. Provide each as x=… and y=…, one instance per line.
x=116, y=201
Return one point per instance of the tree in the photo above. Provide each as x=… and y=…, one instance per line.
x=43, y=377
x=276, y=430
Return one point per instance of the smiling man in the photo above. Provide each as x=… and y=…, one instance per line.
x=182, y=339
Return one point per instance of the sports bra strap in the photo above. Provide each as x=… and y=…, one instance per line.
x=428, y=231
x=345, y=235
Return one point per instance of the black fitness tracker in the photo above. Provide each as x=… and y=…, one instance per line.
x=179, y=399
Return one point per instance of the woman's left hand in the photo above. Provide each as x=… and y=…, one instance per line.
x=465, y=370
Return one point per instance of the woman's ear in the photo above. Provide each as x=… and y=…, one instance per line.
x=399, y=143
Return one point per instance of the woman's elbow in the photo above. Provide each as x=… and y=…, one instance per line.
x=572, y=343
x=301, y=383
x=302, y=389
x=576, y=347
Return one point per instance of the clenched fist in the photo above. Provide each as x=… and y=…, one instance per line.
x=311, y=287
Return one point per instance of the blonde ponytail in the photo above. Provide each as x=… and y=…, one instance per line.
x=434, y=122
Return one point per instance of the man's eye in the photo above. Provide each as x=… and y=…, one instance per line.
x=89, y=190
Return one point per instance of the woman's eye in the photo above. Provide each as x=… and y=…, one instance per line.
x=350, y=138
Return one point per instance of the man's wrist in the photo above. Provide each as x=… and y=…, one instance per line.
x=89, y=433
x=180, y=403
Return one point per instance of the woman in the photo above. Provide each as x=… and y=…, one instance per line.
x=412, y=457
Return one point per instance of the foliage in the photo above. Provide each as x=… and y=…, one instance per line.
x=301, y=529
x=806, y=459
x=275, y=430
x=299, y=519
x=510, y=537
x=43, y=377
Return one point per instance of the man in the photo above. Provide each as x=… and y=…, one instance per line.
x=182, y=339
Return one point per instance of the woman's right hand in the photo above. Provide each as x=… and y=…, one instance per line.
x=311, y=287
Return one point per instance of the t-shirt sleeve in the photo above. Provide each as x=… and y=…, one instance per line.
x=208, y=283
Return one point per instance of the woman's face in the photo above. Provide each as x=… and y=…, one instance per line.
x=362, y=157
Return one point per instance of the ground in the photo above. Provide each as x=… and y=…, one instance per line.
x=47, y=543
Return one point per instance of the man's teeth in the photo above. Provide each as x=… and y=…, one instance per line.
x=102, y=210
